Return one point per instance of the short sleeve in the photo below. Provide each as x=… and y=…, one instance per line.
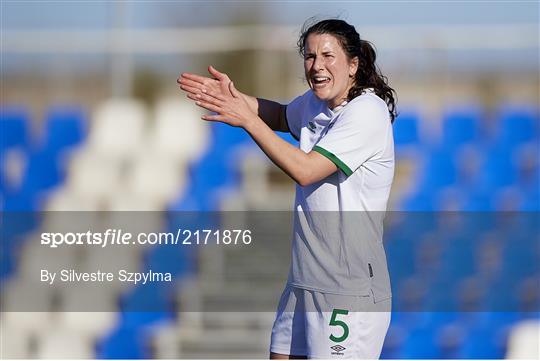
x=357, y=135
x=294, y=114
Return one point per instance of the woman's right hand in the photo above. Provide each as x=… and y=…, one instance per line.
x=194, y=84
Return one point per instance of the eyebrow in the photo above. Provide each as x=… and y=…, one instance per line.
x=323, y=53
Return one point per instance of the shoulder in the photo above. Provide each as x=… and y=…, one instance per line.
x=304, y=107
x=303, y=98
x=366, y=114
x=367, y=105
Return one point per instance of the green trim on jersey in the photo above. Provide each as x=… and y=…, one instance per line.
x=334, y=160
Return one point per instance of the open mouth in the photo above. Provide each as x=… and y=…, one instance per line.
x=320, y=80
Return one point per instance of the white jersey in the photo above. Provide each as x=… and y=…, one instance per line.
x=338, y=221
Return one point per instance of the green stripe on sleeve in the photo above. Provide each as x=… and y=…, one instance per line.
x=334, y=160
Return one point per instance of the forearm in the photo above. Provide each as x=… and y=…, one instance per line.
x=293, y=161
x=236, y=110
x=271, y=112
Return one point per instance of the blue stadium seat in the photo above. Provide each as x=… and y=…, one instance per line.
x=441, y=296
x=215, y=170
x=167, y=258
x=431, y=339
x=528, y=295
x=451, y=198
x=487, y=339
x=15, y=122
x=478, y=200
x=22, y=201
x=142, y=319
x=64, y=127
x=394, y=341
x=4, y=183
x=420, y=344
x=458, y=256
x=411, y=320
x=43, y=172
x=501, y=295
x=509, y=199
x=470, y=294
x=461, y=125
x=6, y=262
x=469, y=160
x=498, y=169
x=206, y=177
x=224, y=137
x=532, y=202
x=520, y=257
x=399, y=254
x=421, y=201
x=124, y=343
x=150, y=297
x=527, y=164
x=449, y=339
x=440, y=171
x=516, y=124
x=406, y=128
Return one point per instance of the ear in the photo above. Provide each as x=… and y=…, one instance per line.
x=353, y=67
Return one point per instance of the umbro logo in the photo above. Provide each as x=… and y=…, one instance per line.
x=312, y=127
x=338, y=350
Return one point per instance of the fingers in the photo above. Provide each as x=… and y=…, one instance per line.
x=221, y=118
x=194, y=97
x=214, y=117
x=190, y=90
x=216, y=74
x=233, y=90
x=208, y=96
x=209, y=106
x=190, y=83
x=196, y=81
x=194, y=77
x=194, y=87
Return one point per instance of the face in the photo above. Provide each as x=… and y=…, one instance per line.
x=329, y=72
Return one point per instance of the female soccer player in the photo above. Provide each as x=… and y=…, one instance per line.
x=336, y=303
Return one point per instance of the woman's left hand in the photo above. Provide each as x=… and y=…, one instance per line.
x=232, y=110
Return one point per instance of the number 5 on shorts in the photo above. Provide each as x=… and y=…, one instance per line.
x=342, y=324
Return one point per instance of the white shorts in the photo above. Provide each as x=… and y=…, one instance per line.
x=327, y=326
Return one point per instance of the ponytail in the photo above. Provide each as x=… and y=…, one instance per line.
x=369, y=75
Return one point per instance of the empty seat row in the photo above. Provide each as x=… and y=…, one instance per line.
x=510, y=125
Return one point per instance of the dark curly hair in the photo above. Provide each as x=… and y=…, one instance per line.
x=368, y=75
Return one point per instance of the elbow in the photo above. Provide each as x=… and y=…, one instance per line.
x=303, y=182
x=305, y=179
x=311, y=172
x=314, y=169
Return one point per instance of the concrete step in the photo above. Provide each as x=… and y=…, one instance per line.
x=221, y=343
x=227, y=320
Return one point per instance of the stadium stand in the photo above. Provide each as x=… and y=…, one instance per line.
x=127, y=158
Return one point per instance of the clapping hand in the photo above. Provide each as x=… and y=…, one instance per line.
x=194, y=84
x=218, y=95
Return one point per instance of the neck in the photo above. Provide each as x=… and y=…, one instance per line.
x=334, y=104
x=342, y=99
